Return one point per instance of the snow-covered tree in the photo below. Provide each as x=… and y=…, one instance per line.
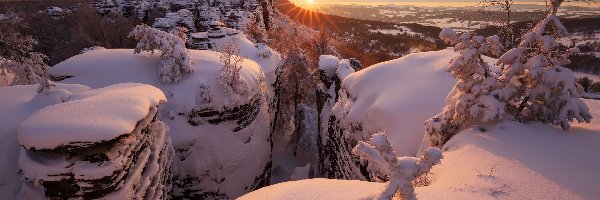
x=294, y=87
x=29, y=70
x=505, y=6
x=322, y=42
x=534, y=82
x=172, y=20
x=180, y=32
x=45, y=86
x=471, y=99
x=175, y=58
x=17, y=56
x=232, y=64
x=402, y=171
x=255, y=32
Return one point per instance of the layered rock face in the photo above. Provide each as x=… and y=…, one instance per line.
x=335, y=143
x=225, y=151
x=104, y=143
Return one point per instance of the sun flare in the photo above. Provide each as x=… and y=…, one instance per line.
x=310, y=2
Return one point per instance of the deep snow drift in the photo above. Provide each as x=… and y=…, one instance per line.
x=507, y=160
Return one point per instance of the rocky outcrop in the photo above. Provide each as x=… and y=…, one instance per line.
x=134, y=165
x=227, y=149
x=338, y=135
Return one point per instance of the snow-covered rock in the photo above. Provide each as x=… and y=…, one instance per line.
x=328, y=64
x=396, y=97
x=222, y=140
x=115, y=110
x=100, y=143
x=16, y=105
x=255, y=52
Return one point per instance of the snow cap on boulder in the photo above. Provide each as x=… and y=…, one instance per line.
x=90, y=117
x=344, y=69
x=328, y=63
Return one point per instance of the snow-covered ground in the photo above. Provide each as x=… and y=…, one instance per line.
x=504, y=160
x=209, y=150
x=458, y=25
x=399, y=30
x=317, y=189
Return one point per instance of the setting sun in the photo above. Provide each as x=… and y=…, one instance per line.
x=310, y=1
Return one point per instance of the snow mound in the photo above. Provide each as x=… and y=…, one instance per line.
x=398, y=96
x=88, y=117
x=321, y=189
x=521, y=161
x=94, y=70
x=328, y=63
x=344, y=69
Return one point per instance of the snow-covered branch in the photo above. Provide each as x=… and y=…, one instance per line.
x=402, y=170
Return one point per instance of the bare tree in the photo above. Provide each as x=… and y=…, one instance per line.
x=504, y=6
x=232, y=64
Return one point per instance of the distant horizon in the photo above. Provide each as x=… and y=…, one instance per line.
x=428, y=3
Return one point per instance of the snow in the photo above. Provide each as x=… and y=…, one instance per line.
x=503, y=160
x=398, y=96
x=251, y=51
x=530, y=161
x=328, y=63
x=344, y=69
x=509, y=160
x=399, y=30
x=93, y=116
x=14, y=109
x=322, y=189
x=213, y=153
x=199, y=35
x=92, y=69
